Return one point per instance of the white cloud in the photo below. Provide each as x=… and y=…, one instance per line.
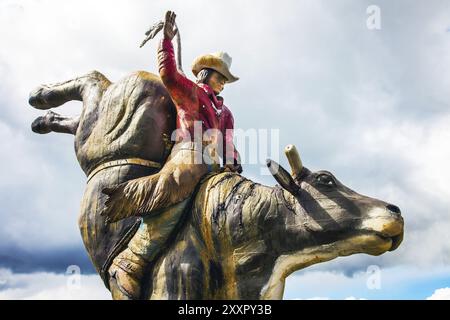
x=31, y=172
x=334, y=285
x=51, y=286
x=327, y=298
x=440, y=294
x=402, y=282
x=418, y=184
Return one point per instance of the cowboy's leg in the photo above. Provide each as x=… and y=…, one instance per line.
x=128, y=267
x=177, y=179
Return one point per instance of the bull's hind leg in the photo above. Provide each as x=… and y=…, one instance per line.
x=87, y=87
x=52, y=121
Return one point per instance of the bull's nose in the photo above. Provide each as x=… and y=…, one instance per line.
x=393, y=209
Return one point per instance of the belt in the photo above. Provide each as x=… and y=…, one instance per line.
x=121, y=162
x=197, y=147
x=190, y=145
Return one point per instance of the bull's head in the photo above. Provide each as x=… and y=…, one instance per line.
x=325, y=219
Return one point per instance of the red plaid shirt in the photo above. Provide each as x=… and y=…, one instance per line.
x=195, y=102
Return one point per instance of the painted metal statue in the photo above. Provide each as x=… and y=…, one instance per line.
x=159, y=224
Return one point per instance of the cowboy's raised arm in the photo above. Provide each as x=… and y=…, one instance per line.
x=180, y=87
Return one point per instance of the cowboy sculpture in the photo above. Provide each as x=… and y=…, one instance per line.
x=166, y=193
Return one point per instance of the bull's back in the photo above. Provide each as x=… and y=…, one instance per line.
x=135, y=119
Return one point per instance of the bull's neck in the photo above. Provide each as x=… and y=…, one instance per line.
x=242, y=237
x=275, y=231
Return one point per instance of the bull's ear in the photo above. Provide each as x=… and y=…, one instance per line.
x=282, y=176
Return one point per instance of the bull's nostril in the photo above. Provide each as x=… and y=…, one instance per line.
x=393, y=208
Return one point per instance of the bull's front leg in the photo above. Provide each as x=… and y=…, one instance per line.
x=52, y=121
x=83, y=88
x=50, y=96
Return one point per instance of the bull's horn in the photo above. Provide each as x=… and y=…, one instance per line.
x=294, y=160
x=282, y=176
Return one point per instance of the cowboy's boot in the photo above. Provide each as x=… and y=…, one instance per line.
x=125, y=275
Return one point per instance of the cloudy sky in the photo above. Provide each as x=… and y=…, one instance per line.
x=370, y=105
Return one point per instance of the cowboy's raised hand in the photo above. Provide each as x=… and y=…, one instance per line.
x=170, y=30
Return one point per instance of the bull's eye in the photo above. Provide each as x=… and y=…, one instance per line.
x=326, y=180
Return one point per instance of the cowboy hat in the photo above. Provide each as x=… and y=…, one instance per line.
x=219, y=61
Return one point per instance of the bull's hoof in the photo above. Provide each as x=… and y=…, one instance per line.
x=42, y=125
x=36, y=98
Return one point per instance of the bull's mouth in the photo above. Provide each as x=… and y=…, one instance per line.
x=380, y=242
x=373, y=242
x=395, y=240
x=385, y=233
x=376, y=238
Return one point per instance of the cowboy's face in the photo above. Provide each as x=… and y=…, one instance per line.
x=217, y=82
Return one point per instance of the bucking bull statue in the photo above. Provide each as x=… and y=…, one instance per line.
x=235, y=238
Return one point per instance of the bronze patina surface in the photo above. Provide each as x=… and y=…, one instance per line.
x=232, y=238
